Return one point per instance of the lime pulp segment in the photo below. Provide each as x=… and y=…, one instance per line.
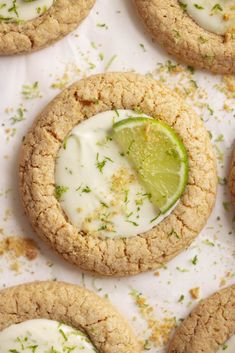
x=158, y=156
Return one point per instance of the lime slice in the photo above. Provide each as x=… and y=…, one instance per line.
x=158, y=156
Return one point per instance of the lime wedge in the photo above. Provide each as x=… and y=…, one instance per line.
x=158, y=156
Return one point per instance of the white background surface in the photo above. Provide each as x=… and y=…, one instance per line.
x=122, y=38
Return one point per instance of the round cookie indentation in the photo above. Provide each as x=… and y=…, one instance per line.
x=62, y=17
x=209, y=325
x=19, y=11
x=232, y=178
x=33, y=335
x=97, y=187
x=122, y=256
x=177, y=32
x=72, y=305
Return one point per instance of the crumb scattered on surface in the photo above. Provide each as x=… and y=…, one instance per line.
x=195, y=292
x=19, y=246
x=157, y=273
x=159, y=329
x=228, y=86
x=71, y=72
x=15, y=266
x=223, y=282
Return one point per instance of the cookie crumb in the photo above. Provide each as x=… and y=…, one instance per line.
x=160, y=330
x=15, y=266
x=157, y=273
x=222, y=282
x=19, y=246
x=195, y=292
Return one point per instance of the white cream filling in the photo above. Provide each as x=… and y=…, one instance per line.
x=20, y=10
x=97, y=188
x=228, y=347
x=217, y=16
x=44, y=336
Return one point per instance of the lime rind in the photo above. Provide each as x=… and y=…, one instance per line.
x=162, y=174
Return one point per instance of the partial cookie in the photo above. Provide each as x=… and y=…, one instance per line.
x=60, y=19
x=232, y=178
x=115, y=256
x=172, y=27
x=73, y=306
x=208, y=327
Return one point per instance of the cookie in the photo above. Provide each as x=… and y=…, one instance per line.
x=209, y=325
x=172, y=27
x=60, y=19
x=73, y=306
x=232, y=178
x=115, y=256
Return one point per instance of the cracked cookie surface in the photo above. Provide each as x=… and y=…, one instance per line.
x=72, y=305
x=177, y=32
x=63, y=17
x=232, y=178
x=208, y=326
x=117, y=256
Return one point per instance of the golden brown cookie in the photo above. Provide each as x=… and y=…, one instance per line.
x=75, y=306
x=232, y=178
x=177, y=32
x=63, y=17
x=116, y=256
x=208, y=326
